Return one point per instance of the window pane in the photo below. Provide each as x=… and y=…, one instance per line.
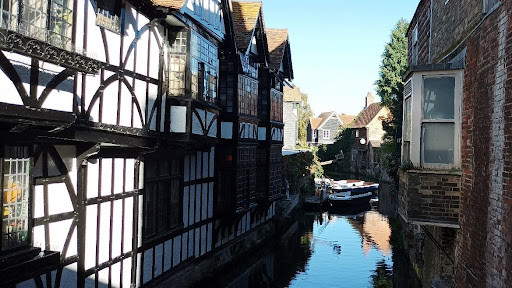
x=438, y=98
x=15, y=192
x=438, y=143
x=408, y=119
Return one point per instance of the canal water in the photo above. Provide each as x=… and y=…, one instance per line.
x=355, y=248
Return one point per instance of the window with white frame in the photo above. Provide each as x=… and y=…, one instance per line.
x=438, y=125
x=431, y=130
x=327, y=134
x=407, y=121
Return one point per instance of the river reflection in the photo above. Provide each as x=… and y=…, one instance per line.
x=327, y=249
x=345, y=250
x=357, y=248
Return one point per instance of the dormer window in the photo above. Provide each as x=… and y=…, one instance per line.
x=108, y=14
x=48, y=21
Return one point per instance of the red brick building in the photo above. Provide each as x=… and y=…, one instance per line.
x=456, y=194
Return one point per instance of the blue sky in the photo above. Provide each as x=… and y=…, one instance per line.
x=337, y=46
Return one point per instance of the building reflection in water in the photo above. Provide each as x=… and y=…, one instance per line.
x=353, y=246
x=374, y=230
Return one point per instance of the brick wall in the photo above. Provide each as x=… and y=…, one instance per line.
x=451, y=22
x=430, y=196
x=484, y=241
x=438, y=256
x=484, y=252
x=422, y=19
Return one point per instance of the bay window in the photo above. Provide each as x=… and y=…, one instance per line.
x=204, y=66
x=50, y=21
x=432, y=113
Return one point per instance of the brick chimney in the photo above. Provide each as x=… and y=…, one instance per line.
x=370, y=99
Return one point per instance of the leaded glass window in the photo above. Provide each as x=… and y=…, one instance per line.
x=276, y=105
x=162, y=196
x=9, y=14
x=246, y=174
x=247, y=95
x=16, y=168
x=204, y=68
x=61, y=23
x=108, y=15
x=49, y=21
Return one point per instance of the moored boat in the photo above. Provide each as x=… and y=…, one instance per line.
x=346, y=193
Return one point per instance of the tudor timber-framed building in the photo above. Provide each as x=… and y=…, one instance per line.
x=112, y=122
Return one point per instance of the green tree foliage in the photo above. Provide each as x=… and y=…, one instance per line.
x=390, y=87
x=382, y=276
x=297, y=169
x=316, y=169
x=304, y=114
x=341, y=149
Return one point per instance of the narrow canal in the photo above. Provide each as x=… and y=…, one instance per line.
x=357, y=248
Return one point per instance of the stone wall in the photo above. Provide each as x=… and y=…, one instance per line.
x=430, y=196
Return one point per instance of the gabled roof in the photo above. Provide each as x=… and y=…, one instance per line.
x=324, y=116
x=346, y=119
x=315, y=122
x=292, y=94
x=277, y=40
x=366, y=116
x=173, y=4
x=245, y=18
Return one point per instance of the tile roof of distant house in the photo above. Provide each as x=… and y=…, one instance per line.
x=315, y=122
x=366, y=116
x=245, y=17
x=324, y=116
x=276, y=39
x=173, y=4
x=292, y=94
x=346, y=119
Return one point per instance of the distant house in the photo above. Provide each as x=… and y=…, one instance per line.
x=368, y=132
x=324, y=128
x=292, y=99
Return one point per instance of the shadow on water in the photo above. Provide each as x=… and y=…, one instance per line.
x=345, y=248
